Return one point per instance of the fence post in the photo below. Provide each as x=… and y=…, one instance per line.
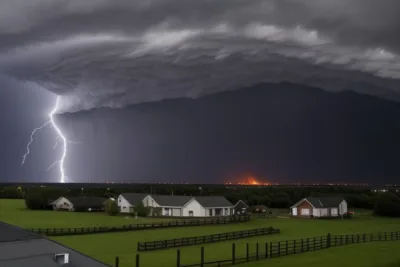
x=302, y=245
x=257, y=251
x=266, y=250
x=247, y=252
x=116, y=261
x=308, y=244
x=287, y=247
x=279, y=248
x=270, y=250
x=178, y=258
x=202, y=257
x=137, y=260
x=328, y=240
x=233, y=253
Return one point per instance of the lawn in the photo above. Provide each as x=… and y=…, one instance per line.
x=15, y=212
x=381, y=254
x=106, y=246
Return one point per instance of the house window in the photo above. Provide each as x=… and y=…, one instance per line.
x=210, y=212
x=119, y=200
x=190, y=212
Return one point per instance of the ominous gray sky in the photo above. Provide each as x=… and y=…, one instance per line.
x=116, y=52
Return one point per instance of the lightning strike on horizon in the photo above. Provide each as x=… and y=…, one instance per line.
x=63, y=139
x=60, y=136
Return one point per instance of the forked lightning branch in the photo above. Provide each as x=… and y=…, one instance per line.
x=60, y=136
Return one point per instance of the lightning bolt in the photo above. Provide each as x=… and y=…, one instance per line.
x=63, y=140
x=60, y=137
x=28, y=146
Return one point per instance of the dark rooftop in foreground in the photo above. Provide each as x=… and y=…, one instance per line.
x=19, y=248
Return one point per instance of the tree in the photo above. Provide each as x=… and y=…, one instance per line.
x=388, y=204
x=41, y=197
x=11, y=192
x=156, y=211
x=141, y=210
x=111, y=207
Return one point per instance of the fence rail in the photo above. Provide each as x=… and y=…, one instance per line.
x=289, y=247
x=137, y=227
x=196, y=240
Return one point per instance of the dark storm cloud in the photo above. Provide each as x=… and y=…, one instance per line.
x=113, y=53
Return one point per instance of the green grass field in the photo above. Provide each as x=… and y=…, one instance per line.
x=106, y=246
x=14, y=212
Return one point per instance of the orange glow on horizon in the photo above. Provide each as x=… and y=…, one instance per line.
x=250, y=180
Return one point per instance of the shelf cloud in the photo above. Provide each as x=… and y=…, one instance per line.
x=112, y=53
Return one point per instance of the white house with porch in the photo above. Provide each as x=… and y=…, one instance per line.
x=189, y=206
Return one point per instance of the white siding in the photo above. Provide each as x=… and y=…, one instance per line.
x=176, y=212
x=124, y=205
x=194, y=205
x=316, y=212
x=294, y=211
x=323, y=212
x=150, y=202
x=343, y=207
x=63, y=203
x=334, y=212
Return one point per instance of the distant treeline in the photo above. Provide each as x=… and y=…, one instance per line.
x=271, y=196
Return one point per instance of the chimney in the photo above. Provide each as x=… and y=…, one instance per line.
x=61, y=258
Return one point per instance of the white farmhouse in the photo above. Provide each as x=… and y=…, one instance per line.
x=79, y=203
x=189, y=206
x=127, y=201
x=320, y=207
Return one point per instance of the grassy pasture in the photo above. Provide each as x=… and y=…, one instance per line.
x=106, y=246
x=14, y=212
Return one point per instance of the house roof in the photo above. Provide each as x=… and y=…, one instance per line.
x=171, y=201
x=213, y=201
x=87, y=202
x=242, y=203
x=322, y=202
x=134, y=198
x=21, y=248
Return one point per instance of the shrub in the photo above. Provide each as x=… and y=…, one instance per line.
x=111, y=207
x=41, y=197
x=11, y=192
x=156, y=211
x=141, y=210
x=388, y=204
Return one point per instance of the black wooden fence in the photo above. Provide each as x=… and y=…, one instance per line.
x=196, y=240
x=136, y=227
x=269, y=250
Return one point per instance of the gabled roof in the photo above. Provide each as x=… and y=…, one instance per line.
x=322, y=202
x=241, y=202
x=213, y=201
x=171, y=201
x=134, y=198
x=21, y=248
x=87, y=202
